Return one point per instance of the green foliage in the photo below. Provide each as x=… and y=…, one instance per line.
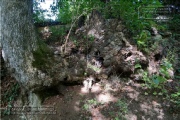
x=57, y=31
x=165, y=66
x=158, y=80
x=65, y=13
x=41, y=56
x=178, y=74
x=175, y=98
x=57, y=34
x=175, y=23
x=142, y=39
x=129, y=11
x=112, y=9
x=134, y=15
x=9, y=97
x=155, y=83
x=70, y=11
x=76, y=42
x=94, y=68
x=86, y=106
x=171, y=55
x=91, y=38
x=123, y=106
x=90, y=104
x=129, y=14
x=137, y=66
x=121, y=110
x=146, y=79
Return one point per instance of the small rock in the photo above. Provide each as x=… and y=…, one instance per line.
x=107, y=63
x=42, y=75
x=171, y=73
x=157, y=37
x=107, y=57
x=155, y=31
x=104, y=76
x=119, y=28
x=166, y=34
x=109, y=33
x=56, y=53
x=102, y=31
x=130, y=83
x=113, y=43
x=106, y=48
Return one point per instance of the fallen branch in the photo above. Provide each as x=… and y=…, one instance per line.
x=67, y=37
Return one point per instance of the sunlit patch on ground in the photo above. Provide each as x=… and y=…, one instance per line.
x=131, y=93
x=89, y=86
x=152, y=110
x=76, y=107
x=95, y=89
x=97, y=115
x=131, y=116
x=105, y=98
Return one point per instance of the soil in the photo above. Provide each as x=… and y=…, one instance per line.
x=102, y=102
x=71, y=106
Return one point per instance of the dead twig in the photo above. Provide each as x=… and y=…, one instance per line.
x=67, y=37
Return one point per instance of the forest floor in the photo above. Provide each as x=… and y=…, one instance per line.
x=109, y=100
x=114, y=98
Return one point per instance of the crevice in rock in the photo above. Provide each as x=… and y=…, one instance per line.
x=121, y=73
x=73, y=83
x=157, y=57
x=47, y=92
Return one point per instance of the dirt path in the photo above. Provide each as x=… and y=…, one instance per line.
x=109, y=100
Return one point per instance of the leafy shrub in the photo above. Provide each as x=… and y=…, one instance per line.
x=142, y=39
x=175, y=98
x=118, y=110
x=57, y=33
x=10, y=96
x=70, y=11
x=175, y=23
x=157, y=81
x=129, y=11
x=90, y=104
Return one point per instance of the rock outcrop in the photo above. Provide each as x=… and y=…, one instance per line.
x=100, y=50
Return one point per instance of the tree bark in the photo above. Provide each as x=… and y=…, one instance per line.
x=19, y=40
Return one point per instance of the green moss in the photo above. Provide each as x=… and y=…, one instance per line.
x=42, y=56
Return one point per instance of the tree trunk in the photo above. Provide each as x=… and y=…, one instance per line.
x=19, y=40
x=18, y=44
